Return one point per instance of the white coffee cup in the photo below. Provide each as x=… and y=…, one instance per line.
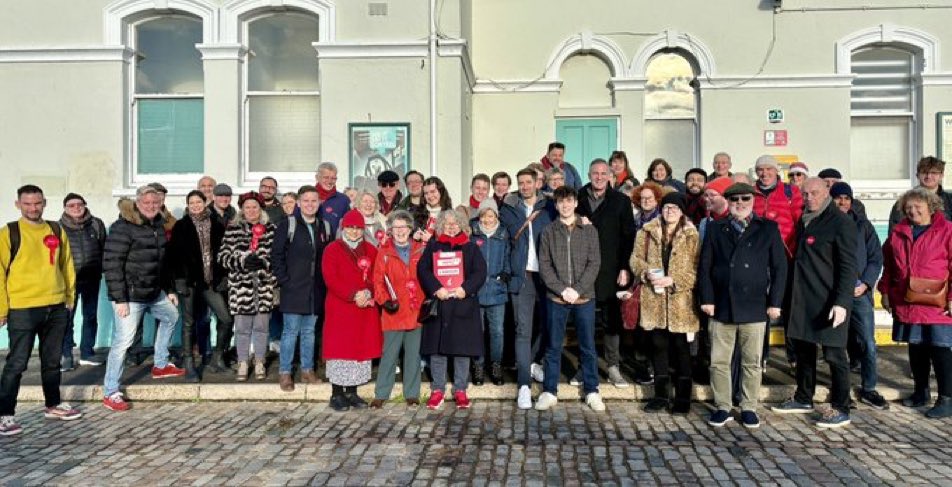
x=657, y=273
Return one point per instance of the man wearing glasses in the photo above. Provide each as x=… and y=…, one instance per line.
x=929, y=171
x=268, y=187
x=741, y=278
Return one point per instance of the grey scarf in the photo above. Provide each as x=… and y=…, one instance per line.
x=808, y=215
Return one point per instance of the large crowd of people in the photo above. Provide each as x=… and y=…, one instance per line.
x=696, y=271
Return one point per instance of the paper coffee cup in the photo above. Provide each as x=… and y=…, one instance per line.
x=657, y=273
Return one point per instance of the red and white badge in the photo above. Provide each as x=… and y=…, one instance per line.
x=810, y=240
x=480, y=242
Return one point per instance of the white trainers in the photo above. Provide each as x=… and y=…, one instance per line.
x=546, y=400
x=536, y=371
x=615, y=377
x=524, y=401
x=576, y=379
x=275, y=346
x=594, y=401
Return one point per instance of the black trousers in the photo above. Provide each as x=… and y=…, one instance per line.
x=922, y=358
x=670, y=351
x=24, y=326
x=196, y=301
x=806, y=374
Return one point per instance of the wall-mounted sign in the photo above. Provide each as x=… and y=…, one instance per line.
x=776, y=138
x=775, y=115
x=943, y=139
x=375, y=148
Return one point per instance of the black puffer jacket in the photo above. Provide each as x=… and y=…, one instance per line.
x=185, y=254
x=86, y=240
x=133, y=259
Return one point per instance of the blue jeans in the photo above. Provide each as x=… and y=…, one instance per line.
x=294, y=326
x=124, y=332
x=276, y=325
x=493, y=317
x=88, y=294
x=584, y=317
x=863, y=324
x=529, y=337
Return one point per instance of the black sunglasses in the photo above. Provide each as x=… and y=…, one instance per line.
x=745, y=198
x=387, y=185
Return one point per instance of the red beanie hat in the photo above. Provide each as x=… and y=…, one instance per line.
x=352, y=218
x=720, y=184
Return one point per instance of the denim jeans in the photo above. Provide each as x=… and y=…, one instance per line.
x=88, y=294
x=863, y=324
x=295, y=326
x=276, y=325
x=438, y=369
x=493, y=318
x=583, y=316
x=24, y=325
x=124, y=332
x=528, y=335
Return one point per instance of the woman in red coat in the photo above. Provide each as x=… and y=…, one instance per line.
x=352, y=336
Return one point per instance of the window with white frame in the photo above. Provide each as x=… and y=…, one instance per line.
x=883, y=114
x=167, y=102
x=671, y=109
x=282, y=100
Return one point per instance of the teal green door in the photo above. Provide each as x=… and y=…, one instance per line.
x=586, y=139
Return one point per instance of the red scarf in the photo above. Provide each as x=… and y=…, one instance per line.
x=325, y=194
x=548, y=164
x=473, y=203
x=456, y=241
x=621, y=177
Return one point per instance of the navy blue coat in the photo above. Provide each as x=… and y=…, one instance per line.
x=513, y=217
x=459, y=329
x=332, y=211
x=742, y=275
x=496, y=251
x=869, y=253
x=297, y=266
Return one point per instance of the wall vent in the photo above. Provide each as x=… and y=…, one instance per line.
x=378, y=9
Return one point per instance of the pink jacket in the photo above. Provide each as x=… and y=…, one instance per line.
x=929, y=257
x=784, y=210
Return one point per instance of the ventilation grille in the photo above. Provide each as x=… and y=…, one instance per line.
x=377, y=9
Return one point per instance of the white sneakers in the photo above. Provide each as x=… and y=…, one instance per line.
x=536, y=371
x=615, y=377
x=524, y=401
x=546, y=400
x=594, y=401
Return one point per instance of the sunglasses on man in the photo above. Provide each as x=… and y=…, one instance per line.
x=741, y=197
x=387, y=185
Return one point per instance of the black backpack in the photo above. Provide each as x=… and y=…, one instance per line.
x=14, y=228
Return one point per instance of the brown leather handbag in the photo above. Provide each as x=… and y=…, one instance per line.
x=929, y=292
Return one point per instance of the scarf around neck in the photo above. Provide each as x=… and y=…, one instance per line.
x=473, y=203
x=326, y=194
x=456, y=241
x=809, y=216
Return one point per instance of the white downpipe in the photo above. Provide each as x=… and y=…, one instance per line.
x=433, y=73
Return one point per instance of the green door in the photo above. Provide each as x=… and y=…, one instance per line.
x=586, y=139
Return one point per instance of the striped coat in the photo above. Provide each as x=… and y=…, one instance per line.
x=249, y=292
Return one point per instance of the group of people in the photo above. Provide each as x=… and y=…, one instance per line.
x=696, y=269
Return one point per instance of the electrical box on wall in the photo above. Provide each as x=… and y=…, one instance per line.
x=775, y=115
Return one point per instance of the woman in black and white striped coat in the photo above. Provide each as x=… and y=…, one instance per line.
x=246, y=253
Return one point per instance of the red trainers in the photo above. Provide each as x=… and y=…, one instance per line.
x=462, y=402
x=436, y=400
x=169, y=370
x=115, y=402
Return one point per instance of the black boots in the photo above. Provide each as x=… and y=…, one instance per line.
x=191, y=374
x=918, y=399
x=217, y=364
x=942, y=408
x=661, y=393
x=477, y=373
x=338, y=401
x=682, y=396
x=355, y=401
x=495, y=373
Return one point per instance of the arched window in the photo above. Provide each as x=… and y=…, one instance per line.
x=671, y=110
x=282, y=98
x=884, y=111
x=167, y=101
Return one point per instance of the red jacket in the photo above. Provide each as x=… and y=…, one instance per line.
x=783, y=210
x=930, y=257
x=404, y=280
x=350, y=333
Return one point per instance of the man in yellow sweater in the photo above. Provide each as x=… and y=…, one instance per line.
x=37, y=287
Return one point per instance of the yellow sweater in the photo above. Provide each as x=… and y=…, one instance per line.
x=32, y=281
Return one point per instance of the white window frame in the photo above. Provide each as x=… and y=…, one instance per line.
x=135, y=178
x=693, y=62
x=249, y=177
x=913, y=119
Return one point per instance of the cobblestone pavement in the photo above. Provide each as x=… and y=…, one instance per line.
x=493, y=443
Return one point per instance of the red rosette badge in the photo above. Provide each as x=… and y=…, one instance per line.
x=414, y=301
x=51, y=242
x=363, y=264
x=257, y=230
x=380, y=236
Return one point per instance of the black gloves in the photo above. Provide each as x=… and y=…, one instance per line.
x=503, y=277
x=253, y=263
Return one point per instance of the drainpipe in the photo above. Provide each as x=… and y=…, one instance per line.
x=433, y=122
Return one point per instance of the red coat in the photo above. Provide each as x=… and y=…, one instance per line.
x=350, y=333
x=930, y=257
x=404, y=280
x=785, y=211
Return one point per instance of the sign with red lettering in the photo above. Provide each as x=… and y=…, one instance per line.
x=775, y=138
x=448, y=268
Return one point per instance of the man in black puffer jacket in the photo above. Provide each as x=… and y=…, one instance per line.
x=137, y=282
x=87, y=236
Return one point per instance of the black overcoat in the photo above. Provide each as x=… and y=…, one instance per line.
x=616, y=236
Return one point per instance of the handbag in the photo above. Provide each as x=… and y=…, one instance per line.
x=631, y=307
x=429, y=310
x=930, y=292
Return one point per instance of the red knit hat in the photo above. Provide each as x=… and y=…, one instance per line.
x=720, y=184
x=352, y=218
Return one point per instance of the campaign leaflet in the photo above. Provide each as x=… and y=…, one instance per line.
x=448, y=268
